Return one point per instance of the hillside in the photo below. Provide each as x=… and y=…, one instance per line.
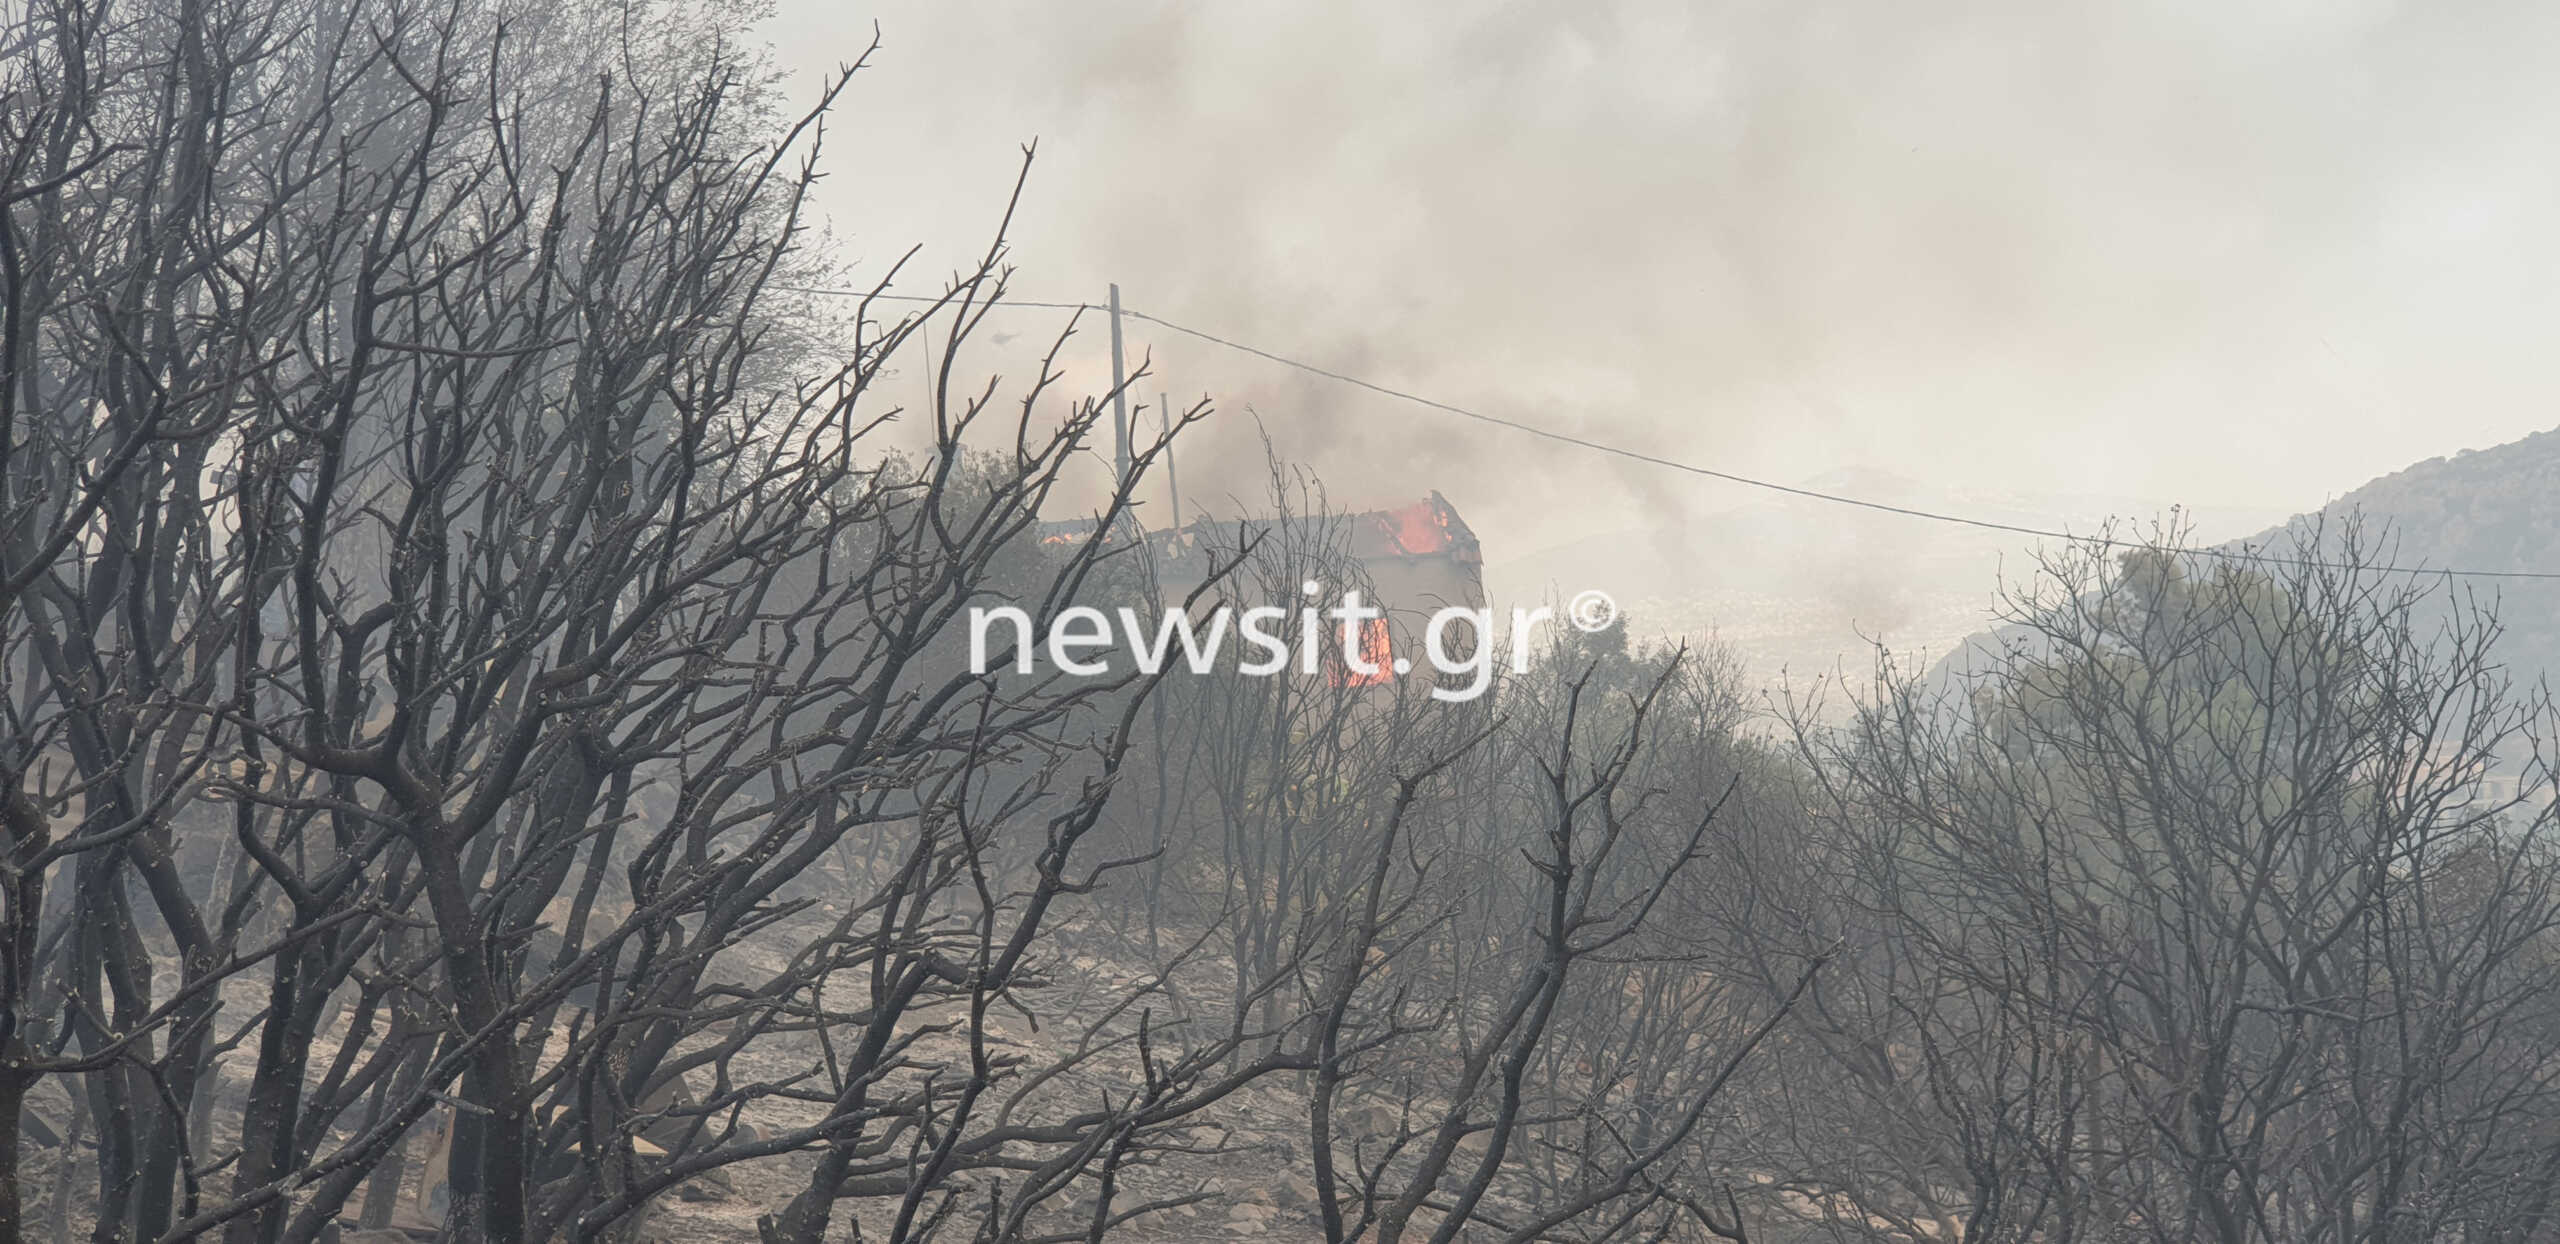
x=1802, y=587
x=2488, y=509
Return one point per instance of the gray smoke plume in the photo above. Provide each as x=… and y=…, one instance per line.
x=2214, y=254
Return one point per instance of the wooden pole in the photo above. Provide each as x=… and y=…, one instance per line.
x=1172, y=486
x=1119, y=392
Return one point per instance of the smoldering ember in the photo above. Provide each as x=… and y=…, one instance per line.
x=1888, y=624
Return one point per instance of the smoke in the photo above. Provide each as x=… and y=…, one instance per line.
x=2246, y=255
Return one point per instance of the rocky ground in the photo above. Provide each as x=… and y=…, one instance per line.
x=1249, y=1179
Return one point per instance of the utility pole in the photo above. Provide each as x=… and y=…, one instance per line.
x=1172, y=486
x=1119, y=392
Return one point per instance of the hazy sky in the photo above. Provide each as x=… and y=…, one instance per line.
x=2237, y=254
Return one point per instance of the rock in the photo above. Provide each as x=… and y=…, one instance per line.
x=406, y=1227
x=46, y=1119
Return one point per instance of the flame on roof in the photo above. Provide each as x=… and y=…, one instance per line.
x=1427, y=528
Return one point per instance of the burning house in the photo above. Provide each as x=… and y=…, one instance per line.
x=1410, y=561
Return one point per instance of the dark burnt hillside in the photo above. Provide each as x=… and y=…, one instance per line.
x=2489, y=509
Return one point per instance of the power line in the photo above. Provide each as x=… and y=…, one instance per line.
x=883, y=297
x=1813, y=494
x=1726, y=476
